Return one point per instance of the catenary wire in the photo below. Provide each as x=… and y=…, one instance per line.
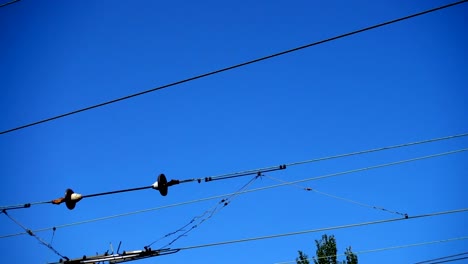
x=389, y=248
x=325, y=229
x=9, y=3
x=379, y=208
x=449, y=260
x=200, y=219
x=441, y=258
x=236, y=66
x=31, y=233
x=246, y=191
x=261, y=170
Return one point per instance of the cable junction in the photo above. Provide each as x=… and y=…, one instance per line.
x=250, y=191
x=71, y=198
x=31, y=233
x=200, y=219
x=148, y=252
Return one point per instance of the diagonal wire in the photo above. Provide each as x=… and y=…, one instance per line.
x=449, y=260
x=198, y=220
x=442, y=258
x=249, y=191
x=236, y=66
x=340, y=198
x=34, y=235
x=9, y=3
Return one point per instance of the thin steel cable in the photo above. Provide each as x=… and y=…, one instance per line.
x=261, y=170
x=247, y=191
x=340, y=198
x=324, y=229
x=449, y=260
x=442, y=258
x=21, y=206
x=390, y=248
x=9, y=3
x=198, y=220
x=31, y=233
x=255, y=171
x=118, y=191
x=236, y=66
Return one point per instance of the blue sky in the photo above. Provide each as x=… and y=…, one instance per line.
x=402, y=83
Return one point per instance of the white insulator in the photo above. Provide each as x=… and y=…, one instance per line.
x=75, y=196
x=155, y=185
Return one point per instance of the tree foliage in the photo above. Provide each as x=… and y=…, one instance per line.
x=302, y=259
x=326, y=253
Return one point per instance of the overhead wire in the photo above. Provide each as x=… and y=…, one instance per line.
x=449, y=260
x=258, y=170
x=9, y=3
x=175, y=250
x=31, y=233
x=388, y=248
x=445, y=259
x=236, y=66
x=243, y=240
x=200, y=219
x=249, y=191
x=379, y=208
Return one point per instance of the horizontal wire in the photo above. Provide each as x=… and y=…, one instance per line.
x=388, y=248
x=236, y=66
x=246, y=191
x=324, y=229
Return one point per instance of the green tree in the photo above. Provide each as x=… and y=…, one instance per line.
x=302, y=259
x=326, y=253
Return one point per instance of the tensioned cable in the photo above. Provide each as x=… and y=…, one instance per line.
x=31, y=233
x=235, y=66
x=431, y=261
x=386, y=249
x=449, y=260
x=324, y=229
x=200, y=219
x=9, y=3
x=260, y=170
x=379, y=208
x=246, y=191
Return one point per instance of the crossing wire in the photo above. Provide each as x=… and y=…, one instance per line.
x=31, y=233
x=259, y=170
x=247, y=191
x=200, y=219
x=236, y=66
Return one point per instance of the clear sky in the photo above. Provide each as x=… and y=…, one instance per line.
x=401, y=83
